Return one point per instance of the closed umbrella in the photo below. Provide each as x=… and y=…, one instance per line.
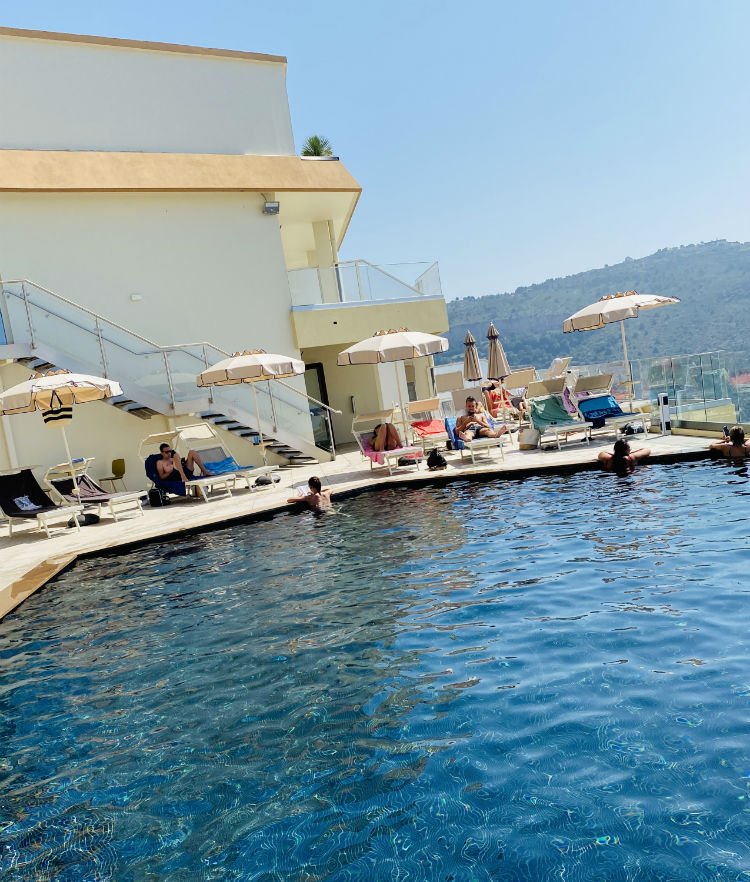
x=616, y=308
x=497, y=364
x=251, y=367
x=393, y=345
x=54, y=394
x=472, y=368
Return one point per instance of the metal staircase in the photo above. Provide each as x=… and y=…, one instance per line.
x=45, y=331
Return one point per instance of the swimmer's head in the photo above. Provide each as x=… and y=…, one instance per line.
x=737, y=436
x=314, y=483
x=622, y=448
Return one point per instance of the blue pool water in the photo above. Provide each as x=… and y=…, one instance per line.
x=534, y=680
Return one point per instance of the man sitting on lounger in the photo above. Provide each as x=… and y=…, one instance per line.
x=474, y=424
x=171, y=468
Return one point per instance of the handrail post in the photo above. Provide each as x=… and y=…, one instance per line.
x=359, y=280
x=101, y=346
x=330, y=434
x=169, y=378
x=273, y=406
x=210, y=388
x=28, y=314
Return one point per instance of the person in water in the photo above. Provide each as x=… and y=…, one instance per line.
x=622, y=460
x=171, y=468
x=474, y=424
x=318, y=498
x=733, y=445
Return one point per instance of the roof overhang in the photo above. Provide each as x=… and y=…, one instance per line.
x=315, y=190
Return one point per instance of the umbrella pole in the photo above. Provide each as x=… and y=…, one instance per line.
x=400, y=402
x=76, y=491
x=260, y=431
x=505, y=409
x=627, y=365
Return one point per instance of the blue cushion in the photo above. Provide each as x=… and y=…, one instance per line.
x=222, y=466
x=598, y=408
x=450, y=428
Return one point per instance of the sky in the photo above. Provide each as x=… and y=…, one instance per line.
x=510, y=141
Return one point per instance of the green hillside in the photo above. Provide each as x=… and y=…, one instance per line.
x=712, y=281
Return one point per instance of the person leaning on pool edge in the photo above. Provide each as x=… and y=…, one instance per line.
x=733, y=445
x=622, y=460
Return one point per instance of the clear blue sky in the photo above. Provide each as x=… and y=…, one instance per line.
x=514, y=141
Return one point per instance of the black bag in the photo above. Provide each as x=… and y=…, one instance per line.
x=85, y=519
x=436, y=460
x=265, y=480
x=157, y=497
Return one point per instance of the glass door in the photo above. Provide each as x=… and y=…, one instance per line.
x=315, y=384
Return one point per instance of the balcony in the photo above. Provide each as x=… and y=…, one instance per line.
x=359, y=282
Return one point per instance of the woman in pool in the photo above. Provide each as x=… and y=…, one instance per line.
x=734, y=445
x=622, y=460
x=318, y=498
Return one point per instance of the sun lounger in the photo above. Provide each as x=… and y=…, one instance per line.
x=198, y=488
x=22, y=500
x=218, y=461
x=428, y=431
x=548, y=413
x=408, y=454
x=478, y=445
x=595, y=404
x=90, y=493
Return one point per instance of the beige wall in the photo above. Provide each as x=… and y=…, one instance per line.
x=346, y=324
x=208, y=266
x=77, y=96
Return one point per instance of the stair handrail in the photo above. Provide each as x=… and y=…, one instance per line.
x=156, y=346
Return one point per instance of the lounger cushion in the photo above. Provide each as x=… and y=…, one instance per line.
x=450, y=428
x=222, y=466
x=88, y=491
x=601, y=407
x=429, y=427
x=547, y=412
x=21, y=490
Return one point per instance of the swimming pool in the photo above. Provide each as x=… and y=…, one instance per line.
x=532, y=680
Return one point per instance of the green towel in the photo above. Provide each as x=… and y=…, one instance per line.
x=549, y=412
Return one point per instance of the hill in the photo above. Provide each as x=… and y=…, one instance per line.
x=712, y=281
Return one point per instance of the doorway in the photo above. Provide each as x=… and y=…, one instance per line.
x=315, y=385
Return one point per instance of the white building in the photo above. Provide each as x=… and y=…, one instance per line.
x=134, y=182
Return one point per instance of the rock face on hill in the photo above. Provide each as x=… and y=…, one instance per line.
x=712, y=281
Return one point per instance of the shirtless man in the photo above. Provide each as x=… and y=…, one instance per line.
x=474, y=424
x=734, y=445
x=171, y=468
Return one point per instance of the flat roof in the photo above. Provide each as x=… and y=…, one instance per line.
x=91, y=171
x=140, y=44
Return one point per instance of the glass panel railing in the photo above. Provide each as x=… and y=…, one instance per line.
x=71, y=335
x=357, y=280
x=16, y=320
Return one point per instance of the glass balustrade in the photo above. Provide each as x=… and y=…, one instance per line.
x=359, y=281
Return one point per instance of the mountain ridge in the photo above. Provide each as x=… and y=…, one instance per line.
x=711, y=279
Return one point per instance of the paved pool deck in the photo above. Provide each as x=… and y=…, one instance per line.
x=29, y=560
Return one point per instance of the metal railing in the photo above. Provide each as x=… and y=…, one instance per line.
x=359, y=281
x=32, y=314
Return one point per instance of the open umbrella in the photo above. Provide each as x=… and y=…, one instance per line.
x=616, y=308
x=472, y=368
x=251, y=367
x=394, y=345
x=54, y=394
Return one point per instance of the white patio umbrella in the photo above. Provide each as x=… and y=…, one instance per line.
x=54, y=394
x=393, y=345
x=472, y=367
x=616, y=308
x=251, y=367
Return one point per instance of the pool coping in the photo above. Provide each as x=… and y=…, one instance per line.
x=44, y=568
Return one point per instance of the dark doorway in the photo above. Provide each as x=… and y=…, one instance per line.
x=315, y=384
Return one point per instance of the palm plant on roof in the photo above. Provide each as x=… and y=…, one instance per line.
x=317, y=145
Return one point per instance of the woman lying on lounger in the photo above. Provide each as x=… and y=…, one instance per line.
x=385, y=437
x=622, y=460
